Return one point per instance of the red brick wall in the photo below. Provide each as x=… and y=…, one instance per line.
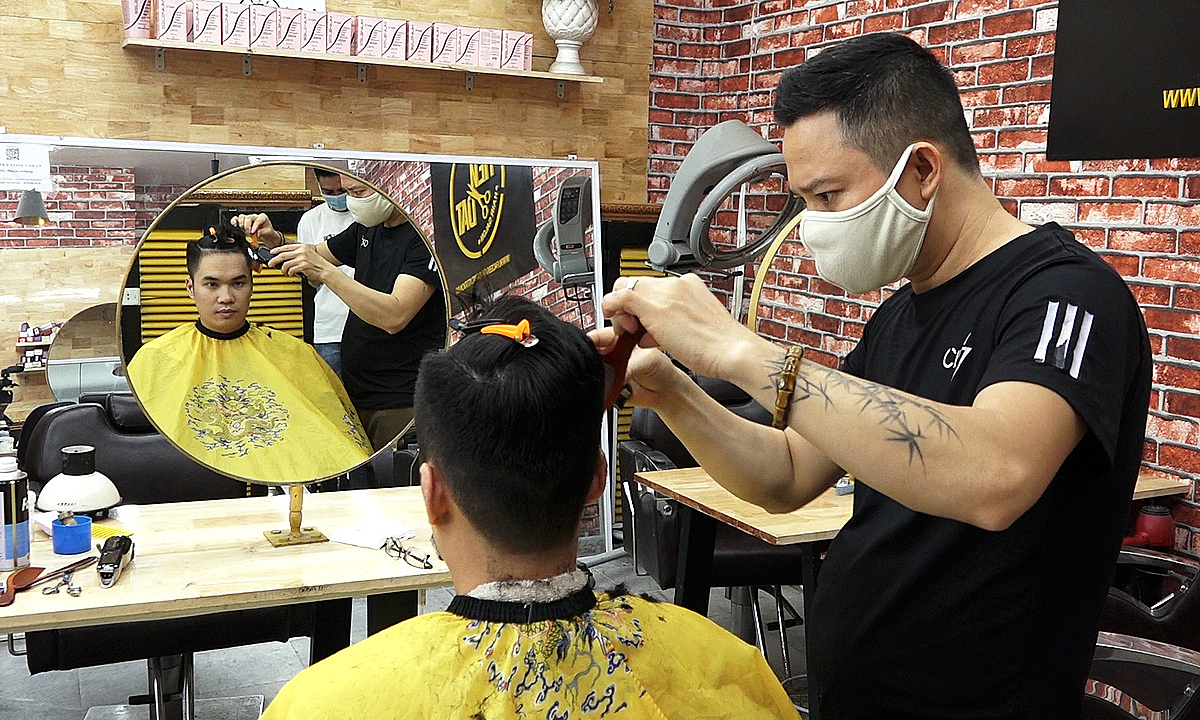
x=716, y=60
x=88, y=207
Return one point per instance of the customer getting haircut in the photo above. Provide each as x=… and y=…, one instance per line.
x=887, y=91
x=227, y=239
x=515, y=430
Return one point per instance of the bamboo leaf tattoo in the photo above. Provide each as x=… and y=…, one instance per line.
x=905, y=419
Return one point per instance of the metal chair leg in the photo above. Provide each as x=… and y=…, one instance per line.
x=783, y=638
x=158, y=705
x=189, y=686
x=760, y=630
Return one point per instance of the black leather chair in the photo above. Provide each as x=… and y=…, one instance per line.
x=1161, y=677
x=147, y=469
x=652, y=529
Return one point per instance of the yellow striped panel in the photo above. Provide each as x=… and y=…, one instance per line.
x=162, y=263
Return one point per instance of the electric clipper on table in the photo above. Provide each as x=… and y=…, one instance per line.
x=115, y=554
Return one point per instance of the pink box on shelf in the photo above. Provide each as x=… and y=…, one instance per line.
x=291, y=29
x=137, y=18
x=235, y=24
x=468, y=47
x=490, y=47
x=420, y=41
x=512, y=50
x=445, y=43
x=206, y=22
x=368, y=36
x=528, y=43
x=174, y=20
x=264, y=26
x=339, y=39
x=316, y=30
x=395, y=39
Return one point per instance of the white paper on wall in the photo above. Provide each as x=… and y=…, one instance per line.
x=25, y=167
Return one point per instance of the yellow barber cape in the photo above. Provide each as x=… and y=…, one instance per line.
x=625, y=658
x=262, y=406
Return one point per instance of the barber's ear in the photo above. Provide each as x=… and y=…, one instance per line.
x=928, y=160
x=191, y=288
x=433, y=489
x=599, y=478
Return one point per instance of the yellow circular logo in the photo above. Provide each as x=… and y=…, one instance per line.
x=476, y=204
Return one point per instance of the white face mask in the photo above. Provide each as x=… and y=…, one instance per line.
x=371, y=210
x=873, y=243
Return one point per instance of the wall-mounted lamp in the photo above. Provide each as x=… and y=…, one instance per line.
x=31, y=210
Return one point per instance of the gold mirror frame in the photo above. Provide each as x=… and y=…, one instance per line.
x=270, y=197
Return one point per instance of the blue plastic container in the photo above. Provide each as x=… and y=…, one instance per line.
x=72, y=539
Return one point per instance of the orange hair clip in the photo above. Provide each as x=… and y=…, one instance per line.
x=519, y=332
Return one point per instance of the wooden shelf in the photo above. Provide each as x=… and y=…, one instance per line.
x=43, y=343
x=34, y=370
x=160, y=46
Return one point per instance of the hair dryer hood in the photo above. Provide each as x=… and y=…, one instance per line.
x=78, y=488
x=726, y=156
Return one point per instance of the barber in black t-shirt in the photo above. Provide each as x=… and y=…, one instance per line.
x=397, y=311
x=993, y=411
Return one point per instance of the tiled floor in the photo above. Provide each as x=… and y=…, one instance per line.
x=263, y=669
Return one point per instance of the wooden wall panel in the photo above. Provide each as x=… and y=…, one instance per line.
x=66, y=74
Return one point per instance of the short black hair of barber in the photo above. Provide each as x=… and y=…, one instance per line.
x=887, y=91
x=514, y=430
x=323, y=173
x=227, y=239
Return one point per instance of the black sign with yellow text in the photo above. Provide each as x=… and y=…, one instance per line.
x=1126, y=80
x=483, y=226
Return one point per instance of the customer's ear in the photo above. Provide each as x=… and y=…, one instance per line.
x=599, y=478
x=433, y=489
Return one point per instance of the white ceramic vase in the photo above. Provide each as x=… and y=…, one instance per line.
x=570, y=23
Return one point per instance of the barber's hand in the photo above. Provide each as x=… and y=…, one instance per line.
x=682, y=316
x=300, y=259
x=258, y=227
x=650, y=374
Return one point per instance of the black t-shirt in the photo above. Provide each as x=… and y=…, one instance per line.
x=379, y=369
x=920, y=616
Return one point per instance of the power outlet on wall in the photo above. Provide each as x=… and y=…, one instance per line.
x=132, y=296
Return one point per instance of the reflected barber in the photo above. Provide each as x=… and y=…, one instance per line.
x=397, y=312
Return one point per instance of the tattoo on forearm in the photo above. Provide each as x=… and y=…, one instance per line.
x=906, y=419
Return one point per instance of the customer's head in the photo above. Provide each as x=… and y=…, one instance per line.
x=886, y=92
x=220, y=279
x=513, y=432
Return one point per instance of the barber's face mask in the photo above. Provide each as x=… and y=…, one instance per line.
x=873, y=243
x=371, y=210
x=336, y=202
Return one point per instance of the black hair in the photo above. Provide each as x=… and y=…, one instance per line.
x=887, y=91
x=515, y=430
x=223, y=239
x=322, y=173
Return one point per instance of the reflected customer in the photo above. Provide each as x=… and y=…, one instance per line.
x=510, y=434
x=250, y=401
x=397, y=309
x=316, y=226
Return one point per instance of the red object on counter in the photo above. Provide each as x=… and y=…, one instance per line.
x=1154, y=528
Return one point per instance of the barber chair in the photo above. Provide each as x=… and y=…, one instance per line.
x=652, y=528
x=1161, y=677
x=148, y=469
x=1150, y=636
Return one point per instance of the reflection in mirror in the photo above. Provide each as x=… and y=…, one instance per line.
x=246, y=322
x=84, y=357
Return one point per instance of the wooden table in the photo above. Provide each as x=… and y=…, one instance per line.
x=703, y=503
x=194, y=558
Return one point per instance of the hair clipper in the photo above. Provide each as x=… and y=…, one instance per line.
x=115, y=554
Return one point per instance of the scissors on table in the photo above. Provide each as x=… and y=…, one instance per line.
x=66, y=581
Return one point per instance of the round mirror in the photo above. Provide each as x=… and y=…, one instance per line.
x=84, y=357
x=274, y=317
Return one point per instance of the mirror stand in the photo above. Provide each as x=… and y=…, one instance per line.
x=297, y=535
